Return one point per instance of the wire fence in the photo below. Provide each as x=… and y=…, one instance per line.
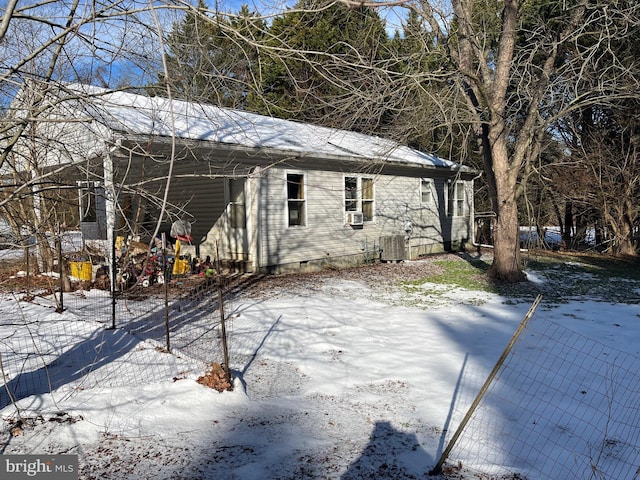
x=562, y=406
x=165, y=328
x=542, y=237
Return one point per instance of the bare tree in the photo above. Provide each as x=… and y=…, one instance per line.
x=600, y=178
x=508, y=70
x=518, y=67
x=44, y=43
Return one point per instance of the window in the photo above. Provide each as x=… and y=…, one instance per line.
x=426, y=192
x=88, y=213
x=351, y=194
x=359, y=196
x=456, y=199
x=296, y=200
x=367, y=199
x=237, y=205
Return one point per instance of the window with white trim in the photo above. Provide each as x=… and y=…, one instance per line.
x=455, y=199
x=237, y=204
x=359, y=196
x=426, y=192
x=351, y=194
x=91, y=201
x=296, y=204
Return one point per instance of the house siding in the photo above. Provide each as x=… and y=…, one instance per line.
x=192, y=196
x=139, y=157
x=327, y=240
x=230, y=243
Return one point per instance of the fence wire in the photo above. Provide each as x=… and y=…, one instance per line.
x=563, y=406
x=159, y=334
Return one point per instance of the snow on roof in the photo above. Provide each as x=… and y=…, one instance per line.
x=138, y=114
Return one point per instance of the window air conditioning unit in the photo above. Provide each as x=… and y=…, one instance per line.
x=355, y=218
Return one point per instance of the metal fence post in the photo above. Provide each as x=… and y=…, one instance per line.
x=60, y=271
x=223, y=328
x=113, y=273
x=27, y=254
x=437, y=470
x=166, y=290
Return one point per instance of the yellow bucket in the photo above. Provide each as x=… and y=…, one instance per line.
x=81, y=270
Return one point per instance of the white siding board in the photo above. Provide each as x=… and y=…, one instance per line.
x=198, y=185
x=326, y=236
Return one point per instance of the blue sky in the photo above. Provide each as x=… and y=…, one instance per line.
x=392, y=15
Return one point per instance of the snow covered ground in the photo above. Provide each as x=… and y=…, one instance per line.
x=334, y=376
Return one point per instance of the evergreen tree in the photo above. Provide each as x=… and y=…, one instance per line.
x=429, y=111
x=211, y=58
x=418, y=119
x=317, y=72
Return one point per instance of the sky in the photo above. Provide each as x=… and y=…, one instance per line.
x=392, y=15
x=337, y=377
x=115, y=52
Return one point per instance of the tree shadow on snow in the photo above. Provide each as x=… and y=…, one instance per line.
x=390, y=454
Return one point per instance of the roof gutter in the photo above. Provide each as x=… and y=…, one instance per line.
x=270, y=154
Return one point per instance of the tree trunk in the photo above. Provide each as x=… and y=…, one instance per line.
x=506, y=265
x=506, y=259
x=623, y=243
x=486, y=84
x=45, y=253
x=628, y=245
x=600, y=236
x=568, y=224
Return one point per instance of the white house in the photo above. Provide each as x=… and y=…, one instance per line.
x=270, y=194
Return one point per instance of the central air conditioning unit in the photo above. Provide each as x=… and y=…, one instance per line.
x=355, y=218
x=392, y=248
